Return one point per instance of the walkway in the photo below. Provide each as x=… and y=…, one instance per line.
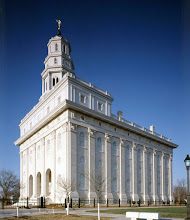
x=82, y=211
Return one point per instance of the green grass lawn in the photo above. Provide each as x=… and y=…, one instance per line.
x=168, y=212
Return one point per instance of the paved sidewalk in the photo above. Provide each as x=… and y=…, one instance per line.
x=82, y=211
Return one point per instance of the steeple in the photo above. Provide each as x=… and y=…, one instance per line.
x=58, y=62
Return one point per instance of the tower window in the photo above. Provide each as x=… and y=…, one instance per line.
x=56, y=47
x=64, y=48
x=57, y=80
x=55, y=60
x=53, y=81
x=82, y=98
x=100, y=105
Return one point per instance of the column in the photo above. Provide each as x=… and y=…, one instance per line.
x=42, y=86
x=163, y=177
x=35, y=174
x=27, y=172
x=145, y=176
x=91, y=161
x=123, y=196
x=21, y=175
x=72, y=157
x=170, y=179
x=134, y=173
x=48, y=82
x=43, y=174
x=155, y=196
x=108, y=177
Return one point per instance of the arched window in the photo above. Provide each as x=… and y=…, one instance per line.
x=39, y=152
x=82, y=181
x=115, y=149
x=99, y=144
x=56, y=47
x=59, y=141
x=53, y=81
x=48, y=146
x=55, y=60
x=114, y=185
x=81, y=139
x=57, y=80
x=82, y=160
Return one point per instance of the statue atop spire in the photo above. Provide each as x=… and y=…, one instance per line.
x=59, y=27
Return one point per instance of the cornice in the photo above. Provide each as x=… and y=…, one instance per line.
x=60, y=54
x=63, y=81
x=48, y=95
x=113, y=121
x=71, y=105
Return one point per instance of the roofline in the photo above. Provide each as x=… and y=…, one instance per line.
x=71, y=105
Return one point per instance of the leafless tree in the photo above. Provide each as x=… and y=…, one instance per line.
x=9, y=184
x=66, y=187
x=180, y=190
x=97, y=184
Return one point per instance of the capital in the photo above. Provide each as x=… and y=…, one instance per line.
x=122, y=142
x=134, y=146
x=171, y=157
x=72, y=127
x=163, y=155
x=91, y=132
x=145, y=149
x=107, y=138
x=53, y=134
x=43, y=141
x=154, y=152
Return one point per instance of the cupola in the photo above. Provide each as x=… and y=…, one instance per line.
x=58, y=62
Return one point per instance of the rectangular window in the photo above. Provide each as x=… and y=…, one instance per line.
x=82, y=98
x=47, y=109
x=30, y=124
x=100, y=106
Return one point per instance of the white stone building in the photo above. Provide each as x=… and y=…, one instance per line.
x=72, y=131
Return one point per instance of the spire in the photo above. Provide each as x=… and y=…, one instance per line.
x=59, y=27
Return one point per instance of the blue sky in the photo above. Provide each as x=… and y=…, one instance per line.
x=137, y=50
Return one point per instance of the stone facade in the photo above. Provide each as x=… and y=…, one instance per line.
x=71, y=132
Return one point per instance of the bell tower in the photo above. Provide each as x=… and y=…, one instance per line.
x=58, y=61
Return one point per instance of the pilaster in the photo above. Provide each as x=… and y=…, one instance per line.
x=54, y=182
x=91, y=160
x=72, y=157
x=27, y=172
x=145, y=176
x=21, y=175
x=123, y=196
x=163, y=177
x=108, y=167
x=155, y=196
x=35, y=174
x=43, y=175
x=170, y=179
x=135, y=196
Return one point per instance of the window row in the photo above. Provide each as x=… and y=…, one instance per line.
x=99, y=144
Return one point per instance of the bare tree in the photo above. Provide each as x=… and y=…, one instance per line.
x=66, y=187
x=180, y=190
x=9, y=184
x=97, y=185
